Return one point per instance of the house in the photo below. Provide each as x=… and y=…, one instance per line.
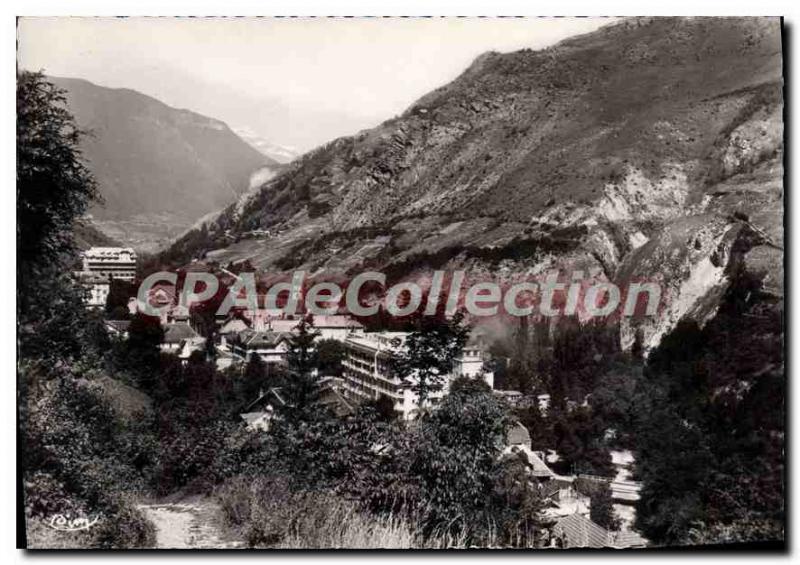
x=175, y=336
x=189, y=346
x=118, y=328
x=259, y=413
x=272, y=347
x=513, y=397
x=228, y=330
x=367, y=374
x=258, y=421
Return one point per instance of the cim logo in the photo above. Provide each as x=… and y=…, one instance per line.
x=64, y=523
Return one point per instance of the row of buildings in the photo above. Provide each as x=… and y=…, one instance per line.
x=366, y=363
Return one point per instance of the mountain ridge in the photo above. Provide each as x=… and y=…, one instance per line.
x=150, y=159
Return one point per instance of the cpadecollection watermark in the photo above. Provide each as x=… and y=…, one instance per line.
x=366, y=294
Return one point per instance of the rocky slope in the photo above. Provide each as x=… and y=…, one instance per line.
x=157, y=167
x=649, y=149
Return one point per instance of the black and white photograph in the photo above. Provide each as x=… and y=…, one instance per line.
x=401, y=283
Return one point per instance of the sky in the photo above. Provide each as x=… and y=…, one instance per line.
x=293, y=81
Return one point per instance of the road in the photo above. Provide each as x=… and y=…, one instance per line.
x=189, y=524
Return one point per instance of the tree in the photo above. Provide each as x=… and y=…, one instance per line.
x=601, y=510
x=466, y=486
x=119, y=292
x=142, y=350
x=253, y=379
x=54, y=189
x=303, y=360
x=429, y=354
x=330, y=353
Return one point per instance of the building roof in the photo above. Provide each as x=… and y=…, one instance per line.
x=267, y=399
x=518, y=435
x=320, y=322
x=628, y=538
x=578, y=531
x=176, y=333
x=120, y=326
x=109, y=251
x=234, y=325
x=536, y=464
x=252, y=339
x=336, y=322
x=378, y=341
x=331, y=396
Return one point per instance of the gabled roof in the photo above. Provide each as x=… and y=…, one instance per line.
x=176, y=333
x=579, y=531
x=536, y=464
x=252, y=339
x=331, y=396
x=233, y=325
x=268, y=398
x=628, y=538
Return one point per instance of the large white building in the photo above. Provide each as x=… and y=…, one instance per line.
x=367, y=375
x=110, y=262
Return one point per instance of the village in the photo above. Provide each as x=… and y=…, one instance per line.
x=365, y=376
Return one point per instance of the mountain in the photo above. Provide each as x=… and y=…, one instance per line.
x=158, y=168
x=649, y=149
x=279, y=153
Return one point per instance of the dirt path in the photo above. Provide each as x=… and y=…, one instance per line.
x=189, y=524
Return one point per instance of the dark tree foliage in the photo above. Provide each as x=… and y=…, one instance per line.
x=579, y=442
x=711, y=443
x=303, y=374
x=430, y=353
x=330, y=353
x=254, y=379
x=539, y=427
x=140, y=354
x=581, y=352
x=464, y=483
x=384, y=408
x=54, y=189
x=601, y=505
x=119, y=292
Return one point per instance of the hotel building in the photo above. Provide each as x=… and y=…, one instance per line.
x=367, y=375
